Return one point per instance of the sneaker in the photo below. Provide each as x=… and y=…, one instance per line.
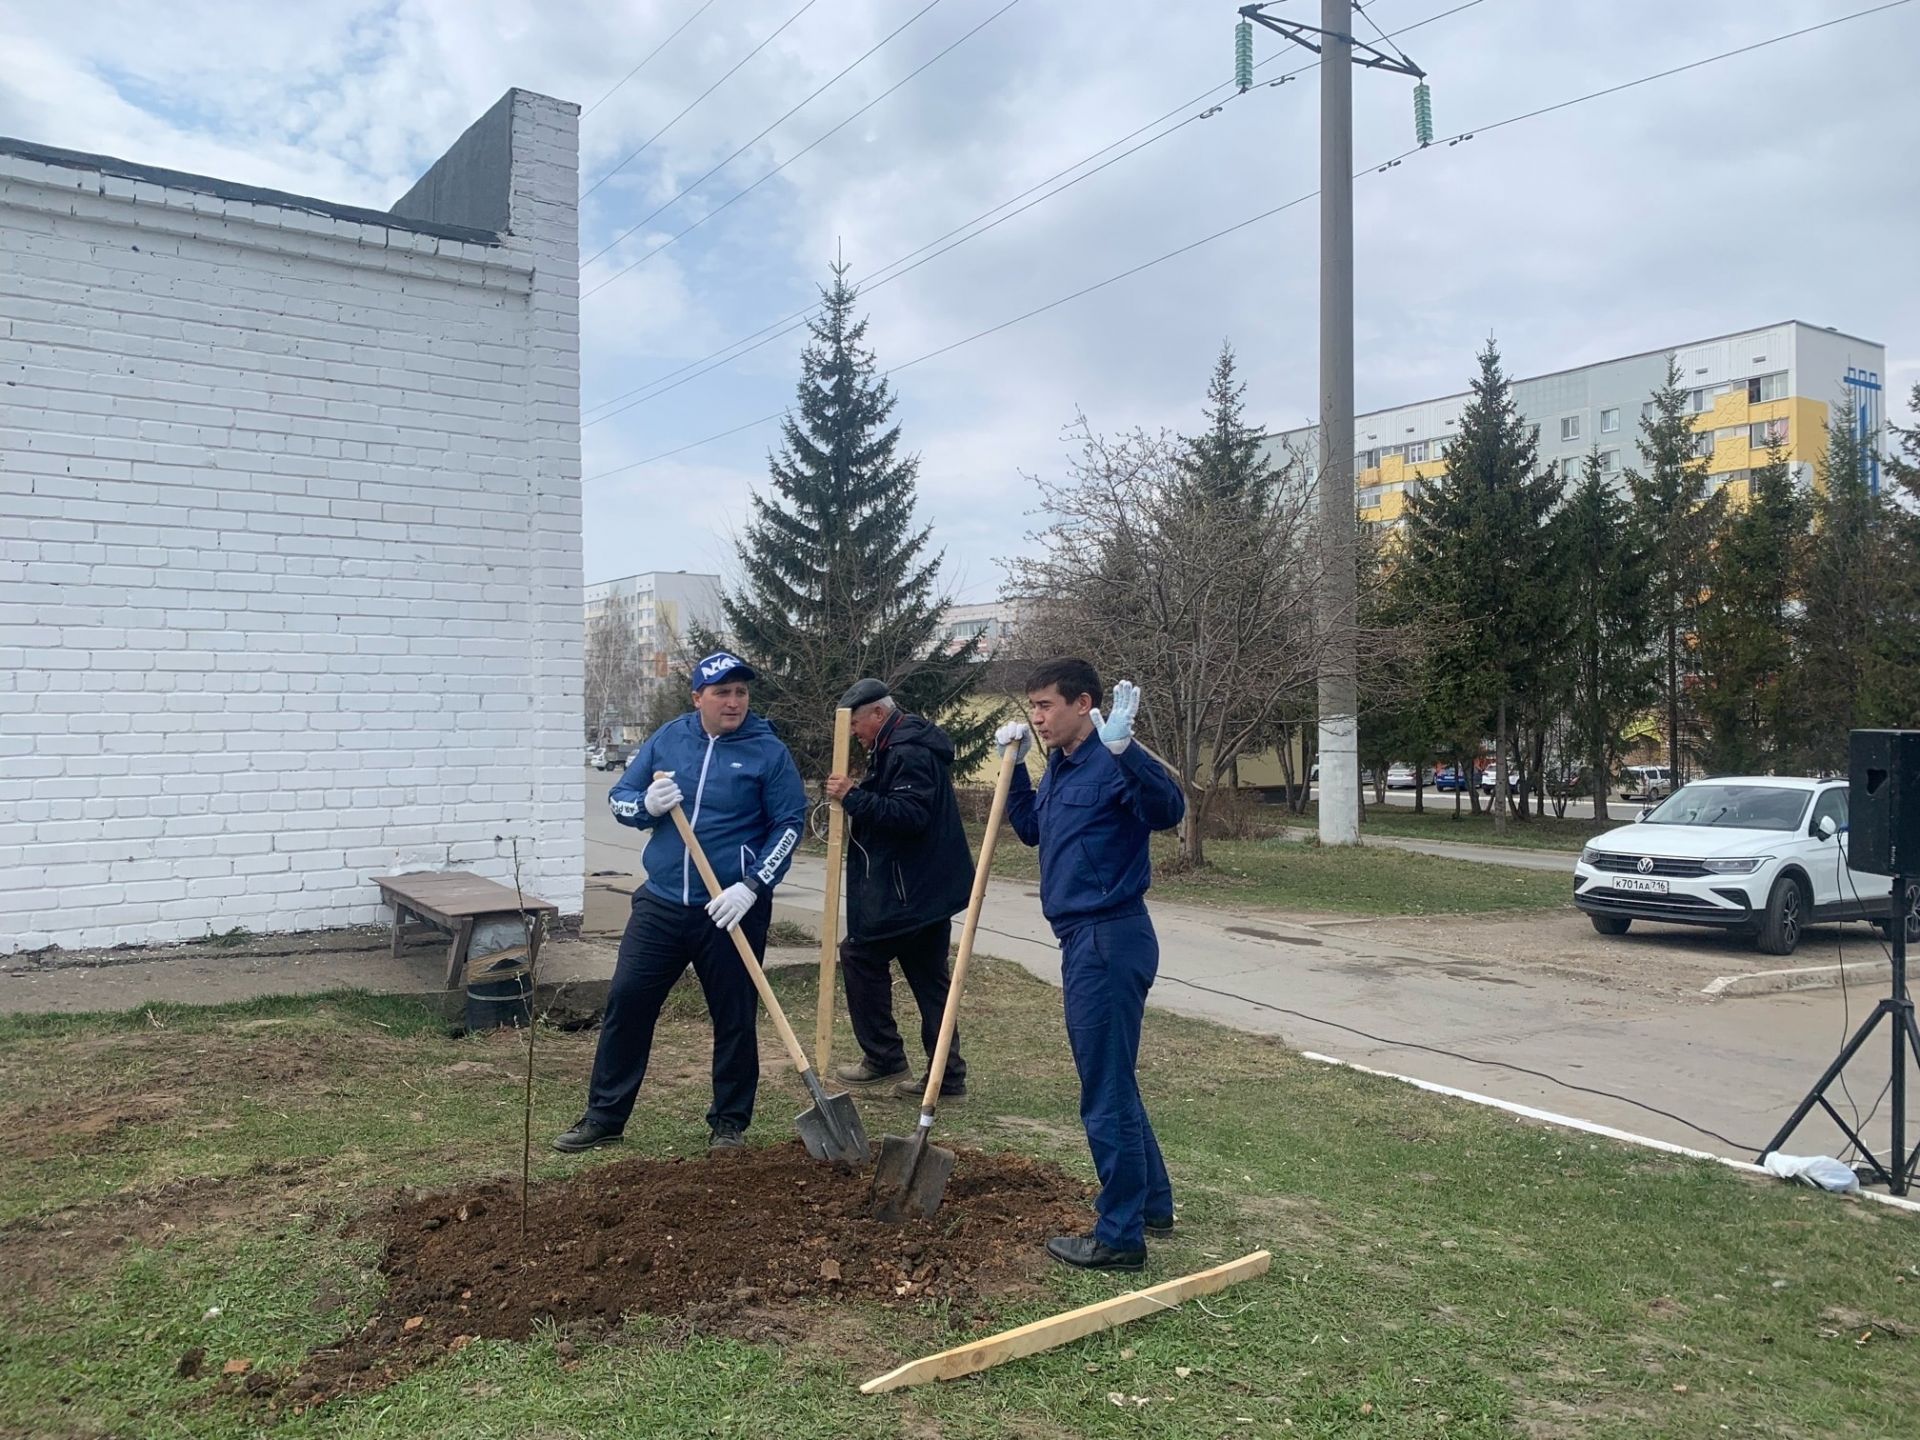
x=1083, y=1252
x=1160, y=1226
x=725, y=1140
x=862, y=1072
x=587, y=1134
x=911, y=1089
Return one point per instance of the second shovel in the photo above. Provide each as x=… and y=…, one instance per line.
x=910, y=1177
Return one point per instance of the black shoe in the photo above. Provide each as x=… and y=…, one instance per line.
x=1083, y=1252
x=864, y=1073
x=725, y=1140
x=587, y=1134
x=913, y=1089
x=1160, y=1226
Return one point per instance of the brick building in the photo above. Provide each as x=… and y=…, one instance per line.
x=289, y=538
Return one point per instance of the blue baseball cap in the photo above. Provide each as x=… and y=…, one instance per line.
x=720, y=667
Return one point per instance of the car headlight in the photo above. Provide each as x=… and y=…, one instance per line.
x=1589, y=856
x=1734, y=867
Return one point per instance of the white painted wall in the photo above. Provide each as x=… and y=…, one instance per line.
x=289, y=550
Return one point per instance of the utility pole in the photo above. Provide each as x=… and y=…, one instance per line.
x=1333, y=40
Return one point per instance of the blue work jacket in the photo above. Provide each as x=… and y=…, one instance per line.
x=744, y=798
x=1091, y=817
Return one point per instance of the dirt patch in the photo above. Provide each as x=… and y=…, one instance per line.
x=720, y=1244
x=42, y=1134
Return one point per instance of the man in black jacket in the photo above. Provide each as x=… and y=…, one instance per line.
x=908, y=872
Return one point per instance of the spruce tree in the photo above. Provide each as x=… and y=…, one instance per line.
x=1893, y=656
x=1840, y=585
x=837, y=581
x=1745, y=654
x=1227, y=461
x=1480, y=555
x=1612, y=671
x=1673, y=509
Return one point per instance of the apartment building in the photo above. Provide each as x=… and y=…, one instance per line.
x=1745, y=390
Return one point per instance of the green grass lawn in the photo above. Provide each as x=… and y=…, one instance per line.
x=1439, y=1270
x=1438, y=822
x=1286, y=874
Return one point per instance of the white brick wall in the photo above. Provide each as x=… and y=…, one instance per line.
x=289, y=552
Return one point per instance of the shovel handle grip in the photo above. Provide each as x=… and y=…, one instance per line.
x=982, y=873
x=712, y=882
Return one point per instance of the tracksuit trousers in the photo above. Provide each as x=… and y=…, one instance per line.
x=1107, y=967
x=662, y=938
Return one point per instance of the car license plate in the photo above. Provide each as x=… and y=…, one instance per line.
x=1639, y=886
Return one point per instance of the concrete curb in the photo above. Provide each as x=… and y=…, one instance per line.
x=1811, y=977
x=1587, y=1127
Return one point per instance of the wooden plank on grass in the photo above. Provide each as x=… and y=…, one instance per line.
x=1059, y=1329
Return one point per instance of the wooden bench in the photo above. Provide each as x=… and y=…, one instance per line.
x=452, y=903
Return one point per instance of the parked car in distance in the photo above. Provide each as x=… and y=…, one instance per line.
x=596, y=756
x=1486, y=779
x=1646, y=782
x=1762, y=857
x=1447, y=778
x=1405, y=777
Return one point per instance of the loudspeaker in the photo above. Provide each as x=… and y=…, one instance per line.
x=1883, y=802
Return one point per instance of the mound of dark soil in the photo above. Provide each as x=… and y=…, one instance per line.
x=710, y=1240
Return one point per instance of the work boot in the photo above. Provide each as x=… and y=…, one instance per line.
x=587, y=1134
x=911, y=1089
x=1160, y=1226
x=725, y=1141
x=1083, y=1252
x=864, y=1073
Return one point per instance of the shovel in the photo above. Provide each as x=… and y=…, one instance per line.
x=831, y=1129
x=911, y=1176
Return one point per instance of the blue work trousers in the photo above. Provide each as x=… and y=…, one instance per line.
x=1107, y=968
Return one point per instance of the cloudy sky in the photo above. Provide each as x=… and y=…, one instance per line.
x=1772, y=185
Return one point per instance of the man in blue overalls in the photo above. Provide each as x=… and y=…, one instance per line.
x=1098, y=802
x=745, y=801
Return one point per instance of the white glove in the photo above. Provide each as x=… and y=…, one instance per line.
x=662, y=795
x=730, y=906
x=1116, y=730
x=1013, y=732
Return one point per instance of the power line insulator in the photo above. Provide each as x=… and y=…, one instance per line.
x=1243, y=55
x=1423, y=113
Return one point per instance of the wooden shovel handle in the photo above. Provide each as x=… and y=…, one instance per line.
x=712, y=882
x=982, y=872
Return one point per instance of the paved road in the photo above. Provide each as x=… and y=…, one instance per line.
x=1736, y=1066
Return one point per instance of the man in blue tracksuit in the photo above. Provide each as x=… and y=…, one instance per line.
x=1100, y=799
x=743, y=796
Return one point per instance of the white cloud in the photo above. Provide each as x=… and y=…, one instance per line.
x=1738, y=194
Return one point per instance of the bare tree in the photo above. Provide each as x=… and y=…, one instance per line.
x=1204, y=599
x=616, y=678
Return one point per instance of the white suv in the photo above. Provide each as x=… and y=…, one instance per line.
x=1763, y=856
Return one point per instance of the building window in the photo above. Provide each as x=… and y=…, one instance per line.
x=1416, y=451
x=1768, y=432
x=1536, y=434
x=1569, y=428
x=1370, y=499
x=1647, y=412
x=1610, y=462
x=1763, y=388
x=1609, y=421
x=1703, y=445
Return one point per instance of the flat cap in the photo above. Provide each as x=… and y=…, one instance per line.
x=864, y=692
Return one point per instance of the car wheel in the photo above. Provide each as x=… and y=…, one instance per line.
x=1885, y=927
x=1610, y=924
x=1785, y=918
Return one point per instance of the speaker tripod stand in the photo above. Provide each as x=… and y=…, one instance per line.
x=1896, y=1008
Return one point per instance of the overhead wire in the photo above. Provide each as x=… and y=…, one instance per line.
x=705, y=6
x=635, y=155
x=1269, y=213
x=815, y=95
x=742, y=194
x=878, y=277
